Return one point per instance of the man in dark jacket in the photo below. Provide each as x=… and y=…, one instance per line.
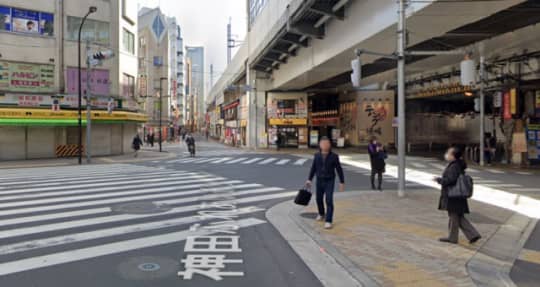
x=136, y=144
x=325, y=165
x=456, y=207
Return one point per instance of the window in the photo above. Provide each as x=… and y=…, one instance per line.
x=129, y=41
x=129, y=86
x=93, y=30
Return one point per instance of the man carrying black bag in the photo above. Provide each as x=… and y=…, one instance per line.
x=325, y=165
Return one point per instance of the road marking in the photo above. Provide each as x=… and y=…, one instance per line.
x=109, y=232
x=116, y=200
x=485, y=181
x=252, y=160
x=203, y=160
x=438, y=165
x=103, y=170
x=236, y=160
x=98, y=187
x=123, y=217
x=69, y=214
x=470, y=170
x=504, y=185
x=268, y=160
x=222, y=160
x=524, y=172
x=108, y=249
x=495, y=171
x=140, y=190
x=188, y=160
x=526, y=189
x=417, y=164
x=300, y=161
x=283, y=161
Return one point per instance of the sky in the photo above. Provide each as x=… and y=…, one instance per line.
x=204, y=23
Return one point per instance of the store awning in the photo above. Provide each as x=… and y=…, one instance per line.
x=13, y=116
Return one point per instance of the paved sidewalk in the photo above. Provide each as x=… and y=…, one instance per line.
x=395, y=242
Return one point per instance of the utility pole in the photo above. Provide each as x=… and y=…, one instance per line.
x=230, y=41
x=160, y=110
x=401, y=35
x=482, y=104
x=88, y=105
x=211, y=75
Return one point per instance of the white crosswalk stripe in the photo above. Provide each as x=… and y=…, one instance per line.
x=57, y=211
x=252, y=160
x=268, y=160
x=240, y=159
x=300, y=161
x=283, y=161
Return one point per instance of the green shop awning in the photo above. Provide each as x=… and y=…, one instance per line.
x=39, y=122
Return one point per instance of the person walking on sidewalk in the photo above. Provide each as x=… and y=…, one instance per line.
x=325, y=165
x=136, y=144
x=378, y=166
x=456, y=207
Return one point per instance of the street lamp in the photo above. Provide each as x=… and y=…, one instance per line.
x=91, y=10
x=160, y=108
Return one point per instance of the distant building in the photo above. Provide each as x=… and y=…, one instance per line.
x=38, y=109
x=196, y=88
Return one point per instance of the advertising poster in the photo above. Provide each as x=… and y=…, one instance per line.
x=46, y=77
x=24, y=77
x=506, y=106
x=25, y=21
x=287, y=105
x=46, y=24
x=99, y=81
x=5, y=18
x=375, y=115
x=533, y=141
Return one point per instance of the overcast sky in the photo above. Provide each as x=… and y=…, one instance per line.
x=204, y=22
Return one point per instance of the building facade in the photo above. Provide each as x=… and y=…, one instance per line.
x=39, y=77
x=195, y=90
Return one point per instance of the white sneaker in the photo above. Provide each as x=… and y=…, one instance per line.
x=319, y=218
x=328, y=225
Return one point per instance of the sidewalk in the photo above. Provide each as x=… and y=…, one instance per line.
x=394, y=241
x=145, y=154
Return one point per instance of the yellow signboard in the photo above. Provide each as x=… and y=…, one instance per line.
x=513, y=99
x=47, y=114
x=287, y=122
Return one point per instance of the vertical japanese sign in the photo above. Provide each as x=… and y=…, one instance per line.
x=4, y=75
x=375, y=115
x=513, y=101
x=537, y=104
x=506, y=106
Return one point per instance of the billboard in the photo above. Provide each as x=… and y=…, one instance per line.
x=26, y=77
x=26, y=21
x=99, y=81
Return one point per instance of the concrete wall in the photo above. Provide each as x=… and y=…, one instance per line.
x=12, y=143
x=40, y=142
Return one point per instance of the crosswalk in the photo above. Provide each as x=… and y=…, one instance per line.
x=101, y=208
x=226, y=160
x=220, y=152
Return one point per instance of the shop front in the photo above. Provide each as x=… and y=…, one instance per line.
x=287, y=120
x=231, y=123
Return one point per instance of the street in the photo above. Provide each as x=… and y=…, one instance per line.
x=128, y=224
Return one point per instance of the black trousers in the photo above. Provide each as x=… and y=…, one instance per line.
x=457, y=221
x=379, y=174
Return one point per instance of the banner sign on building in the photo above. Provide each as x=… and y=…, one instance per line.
x=375, y=115
x=506, y=106
x=287, y=105
x=26, y=21
x=99, y=81
x=537, y=100
x=26, y=77
x=533, y=141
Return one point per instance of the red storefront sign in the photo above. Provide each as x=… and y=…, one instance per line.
x=333, y=121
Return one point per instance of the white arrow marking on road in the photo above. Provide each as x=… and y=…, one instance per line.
x=108, y=249
x=268, y=160
x=252, y=160
x=301, y=161
x=236, y=160
x=283, y=161
x=114, y=231
x=123, y=217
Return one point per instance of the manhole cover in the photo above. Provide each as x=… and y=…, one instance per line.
x=140, y=208
x=148, y=267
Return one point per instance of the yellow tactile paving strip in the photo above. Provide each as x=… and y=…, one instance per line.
x=531, y=256
x=395, y=240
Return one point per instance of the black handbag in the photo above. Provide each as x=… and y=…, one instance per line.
x=303, y=196
x=463, y=187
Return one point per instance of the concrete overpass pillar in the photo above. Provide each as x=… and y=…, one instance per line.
x=256, y=96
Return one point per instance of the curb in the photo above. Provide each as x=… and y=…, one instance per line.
x=492, y=263
x=331, y=267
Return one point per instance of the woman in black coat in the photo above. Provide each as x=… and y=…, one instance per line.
x=456, y=207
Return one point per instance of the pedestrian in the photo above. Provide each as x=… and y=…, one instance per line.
x=190, y=142
x=151, y=138
x=378, y=166
x=490, y=144
x=456, y=207
x=372, y=151
x=279, y=139
x=136, y=144
x=325, y=165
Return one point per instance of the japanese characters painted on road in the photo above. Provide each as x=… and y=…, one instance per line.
x=209, y=256
x=375, y=115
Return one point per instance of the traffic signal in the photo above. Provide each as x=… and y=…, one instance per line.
x=356, y=74
x=103, y=55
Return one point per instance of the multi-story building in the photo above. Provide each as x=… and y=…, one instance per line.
x=176, y=62
x=39, y=77
x=196, y=88
x=156, y=73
